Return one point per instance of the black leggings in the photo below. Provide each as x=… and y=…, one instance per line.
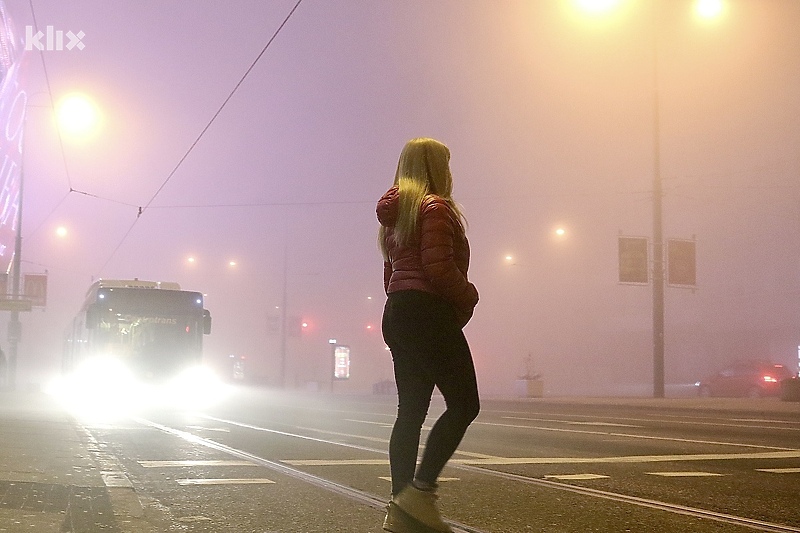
x=428, y=349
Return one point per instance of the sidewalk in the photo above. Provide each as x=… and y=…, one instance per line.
x=52, y=475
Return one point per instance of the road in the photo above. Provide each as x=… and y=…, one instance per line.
x=277, y=462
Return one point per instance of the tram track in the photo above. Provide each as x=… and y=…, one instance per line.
x=379, y=503
x=360, y=496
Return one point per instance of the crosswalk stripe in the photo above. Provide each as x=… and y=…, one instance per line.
x=168, y=464
x=576, y=477
x=780, y=470
x=245, y=481
x=683, y=474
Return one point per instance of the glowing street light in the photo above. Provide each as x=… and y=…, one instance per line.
x=709, y=9
x=61, y=231
x=78, y=116
x=597, y=7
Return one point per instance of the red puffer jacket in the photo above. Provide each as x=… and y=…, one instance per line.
x=438, y=264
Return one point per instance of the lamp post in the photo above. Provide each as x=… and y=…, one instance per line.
x=658, y=228
x=79, y=125
x=707, y=9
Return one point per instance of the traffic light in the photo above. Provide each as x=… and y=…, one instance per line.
x=681, y=262
x=633, y=260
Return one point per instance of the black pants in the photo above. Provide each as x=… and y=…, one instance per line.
x=428, y=349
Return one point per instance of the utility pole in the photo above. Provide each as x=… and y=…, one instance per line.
x=658, y=229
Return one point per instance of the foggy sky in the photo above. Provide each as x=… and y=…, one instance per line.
x=549, y=118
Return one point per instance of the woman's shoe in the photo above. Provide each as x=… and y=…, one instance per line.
x=419, y=505
x=397, y=521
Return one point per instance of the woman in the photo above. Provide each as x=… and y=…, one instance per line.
x=429, y=301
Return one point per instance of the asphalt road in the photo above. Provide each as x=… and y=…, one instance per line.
x=273, y=462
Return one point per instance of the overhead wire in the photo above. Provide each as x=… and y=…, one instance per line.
x=141, y=209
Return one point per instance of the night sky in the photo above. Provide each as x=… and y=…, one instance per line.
x=549, y=115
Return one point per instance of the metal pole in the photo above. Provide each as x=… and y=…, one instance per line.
x=658, y=234
x=284, y=310
x=14, y=325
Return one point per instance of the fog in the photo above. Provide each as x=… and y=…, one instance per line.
x=549, y=115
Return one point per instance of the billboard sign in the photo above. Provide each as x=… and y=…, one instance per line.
x=35, y=286
x=341, y=362
x=13, y=101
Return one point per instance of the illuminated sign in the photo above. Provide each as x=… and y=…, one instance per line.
x=13, y=101
x=341, y=362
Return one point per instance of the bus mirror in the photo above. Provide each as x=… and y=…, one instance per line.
x=206, y=322
x=92, y=316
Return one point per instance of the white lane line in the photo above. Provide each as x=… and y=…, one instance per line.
x=244, y=481
x=335, y=462
x=628, y=459
x=339, y=434
x=440, y=480
x=571, y=422
x=576, y=477
x=203, y=428
x=370, y=422
x=168, y=464
x=630, y=436
x=780, y=470
x=384, y=441
x=686, y=420
x=683, y=474
x=624, y=459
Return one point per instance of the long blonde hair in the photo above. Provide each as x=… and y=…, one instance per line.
x=423, y=169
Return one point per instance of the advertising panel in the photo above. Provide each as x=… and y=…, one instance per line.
x=13, y=101
x=341, y=362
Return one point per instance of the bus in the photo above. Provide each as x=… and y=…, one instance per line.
x=153, y=329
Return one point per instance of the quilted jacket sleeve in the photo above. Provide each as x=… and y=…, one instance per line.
x=439, y=237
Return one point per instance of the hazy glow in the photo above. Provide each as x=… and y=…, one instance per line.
x=61, y=231
x=560, y=232
x=709, y=8
x=232, y=263
x=78, y=116
x=595, y=7
x=103, y=387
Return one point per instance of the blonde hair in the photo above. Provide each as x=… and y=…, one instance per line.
x=423, y=169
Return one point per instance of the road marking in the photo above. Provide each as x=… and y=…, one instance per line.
x=630, y=436
x=780, y=470
x=440, y=479
x=795, y=454
x=335, y=462
x=168, y=464
x=374, y=502
x=692, y=421
x=338, y=434
x=683, y=474
x=245, y=481
x=624, y=459
x=576, y=477
x=203, y=428
x=572, y=422
x=370, y=422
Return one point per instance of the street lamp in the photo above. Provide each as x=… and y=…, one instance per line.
x=706, y=9
x=78, y=116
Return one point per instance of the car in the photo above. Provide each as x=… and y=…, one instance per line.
x=752, y=379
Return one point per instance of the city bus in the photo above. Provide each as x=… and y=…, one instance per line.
x=154, y=330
